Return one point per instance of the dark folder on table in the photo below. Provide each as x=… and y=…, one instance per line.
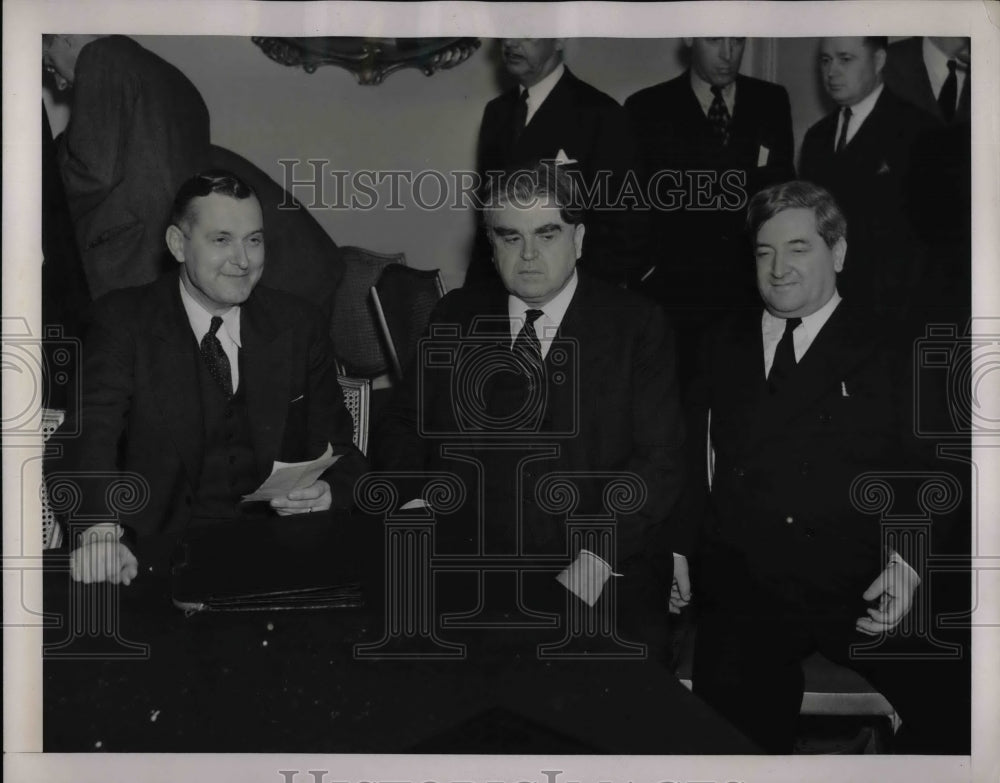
x=302, y=561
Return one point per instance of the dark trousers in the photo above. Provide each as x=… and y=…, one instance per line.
x=751, y=641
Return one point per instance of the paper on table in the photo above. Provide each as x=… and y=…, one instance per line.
x=286, y=476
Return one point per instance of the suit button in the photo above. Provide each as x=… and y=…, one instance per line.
x=739, y=472
x=229, y=413
x=825, y=418
x=810, y=533
x=789, y=520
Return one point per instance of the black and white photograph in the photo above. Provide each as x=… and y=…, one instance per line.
x=387, y=399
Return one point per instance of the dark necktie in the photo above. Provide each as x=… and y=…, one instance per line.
x=784, y=356
x=719, y=117
x=948, y=96
x=520, y=114
x=528, y=349
x=215, y=357
x=842, y=141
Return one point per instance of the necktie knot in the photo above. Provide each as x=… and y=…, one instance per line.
x=952, y=65
x=784, y=361
x=530, y=316
x=716, y=90
x=791, y=324
x=848, y=113
x=214, y=326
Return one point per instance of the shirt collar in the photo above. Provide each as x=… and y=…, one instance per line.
x=772, y=324
x=201, y=320
x=554, y=311
x=703, y=92
x=936, y=63
x=539, y=92
x=864, y=107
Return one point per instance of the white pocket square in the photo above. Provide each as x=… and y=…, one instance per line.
x=300, y=397
x=562, y=158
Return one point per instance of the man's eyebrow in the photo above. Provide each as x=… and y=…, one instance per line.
x=548, y=228
x=504, y=230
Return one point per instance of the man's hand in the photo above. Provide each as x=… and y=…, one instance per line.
x=894, y=588
x=101, y=557
x=680, y=590
x=315, y=497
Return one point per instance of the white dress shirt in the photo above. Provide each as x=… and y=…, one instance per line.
x=936, y=63
x=859, y=113
x=548, y=322
x=539, y=92
x=703, y=92
x=773, y=328
x=228, y=334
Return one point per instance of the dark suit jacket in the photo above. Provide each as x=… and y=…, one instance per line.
x=785, y=463
x=138, y=129
x=906, y=75
x=591, y=128
x=613, y=407
x=701, y=254
x=873, y=179
x=141, y=409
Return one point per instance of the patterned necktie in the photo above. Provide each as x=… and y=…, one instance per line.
x=216, y=359
x=842, y=141
x=948, y=96
x=719, y=117
x=520, y=114
x=528, y=349
x=784, y=356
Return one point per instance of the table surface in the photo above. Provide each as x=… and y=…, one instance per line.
x=137, y=675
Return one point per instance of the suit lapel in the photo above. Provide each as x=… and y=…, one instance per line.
x=174, y=377
x=835, y=351
x=266, y=362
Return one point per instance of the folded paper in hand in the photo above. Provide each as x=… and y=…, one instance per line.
x=586, y=576
x=286, y=476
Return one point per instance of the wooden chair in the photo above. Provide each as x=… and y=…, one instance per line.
x=403, y=299
x=52, y=419
x=357, y=400
x=354, y=328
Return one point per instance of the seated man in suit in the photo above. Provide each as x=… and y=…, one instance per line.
x=550, y=371
x=802, y=400
x=863, y=153
x=196, y=383
x=550, y=114
x=717, y=137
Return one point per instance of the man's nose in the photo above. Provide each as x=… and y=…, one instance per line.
x=241, y=256
x=727, y=49
x=529, y=250
x=778, y=266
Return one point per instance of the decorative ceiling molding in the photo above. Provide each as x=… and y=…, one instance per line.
x=370, y=59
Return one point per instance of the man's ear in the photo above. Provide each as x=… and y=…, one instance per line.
x=839, y=253
x=578, y=232
x=880, y=55
x=175, y=242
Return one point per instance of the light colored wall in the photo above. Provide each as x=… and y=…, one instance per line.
x=267, y=112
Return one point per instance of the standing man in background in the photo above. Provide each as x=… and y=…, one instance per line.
x=550, y=114
x=933, y=74
x=138, y=129
x=714, y=137
x=863, y=154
